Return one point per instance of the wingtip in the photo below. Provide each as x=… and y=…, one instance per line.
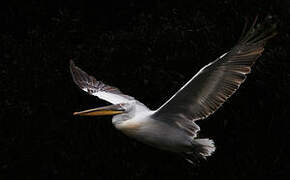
x=71, y=63
x=259, y=32
x=71, y=66
x=73, y=69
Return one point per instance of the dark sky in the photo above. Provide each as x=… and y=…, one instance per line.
x=149, y=50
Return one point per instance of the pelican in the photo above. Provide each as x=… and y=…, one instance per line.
x=172, y=126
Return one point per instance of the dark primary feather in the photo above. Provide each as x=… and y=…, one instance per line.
x=217, y=81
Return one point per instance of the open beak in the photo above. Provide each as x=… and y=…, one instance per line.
x=101, y=111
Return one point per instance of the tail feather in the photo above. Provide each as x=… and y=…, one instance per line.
x=205, y=147
x=201, y=148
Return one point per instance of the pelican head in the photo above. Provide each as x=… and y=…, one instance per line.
x=128, y=113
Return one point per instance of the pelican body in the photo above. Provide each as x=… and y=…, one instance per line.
x=172, y=127
x=145, y=128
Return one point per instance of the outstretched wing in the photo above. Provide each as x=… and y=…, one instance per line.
x=97, y=88
x=216, y=82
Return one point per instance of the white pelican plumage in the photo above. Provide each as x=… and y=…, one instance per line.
x=172, y=127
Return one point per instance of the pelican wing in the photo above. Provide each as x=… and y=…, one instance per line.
x=203, y=94
x=97, y=88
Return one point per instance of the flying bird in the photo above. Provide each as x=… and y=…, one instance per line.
x=172, y=126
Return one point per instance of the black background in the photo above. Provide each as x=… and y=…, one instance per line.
x=148, y=49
